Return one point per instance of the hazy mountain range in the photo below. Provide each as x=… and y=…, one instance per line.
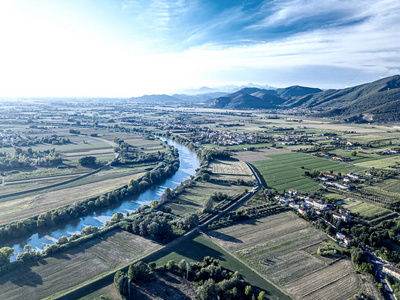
x=375, y=101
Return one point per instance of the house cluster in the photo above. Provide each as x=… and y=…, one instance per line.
x=302, y=204
x=332, y=157
x=343, y=240
x=227, y=138
x=332, y=181
x=289, y=140
x=388, y=152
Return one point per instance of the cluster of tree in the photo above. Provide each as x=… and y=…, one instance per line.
x=53, y=139
x=154, y=225
x=5, y=255
x=326, y=250
x=209, y=154
x=74, y=131
x=169, y=194
x=360, y=259
x=246, y=214
x=84, y=207
x=313, y=174
x=213, y=281
x=327, y=216
x=29, y=158
x=379, y=237
x=140, y=157
x=87, y=161
x=383, y=174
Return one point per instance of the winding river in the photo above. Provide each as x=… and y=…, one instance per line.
x=188, y=164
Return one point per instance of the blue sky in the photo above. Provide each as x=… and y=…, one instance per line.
x=115, y=48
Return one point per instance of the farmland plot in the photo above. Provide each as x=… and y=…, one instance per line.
x=230, y=170
x=258, y=154
x=283, y=248
x=382, y=163
x=366, y=210
x=73, y=267
x=193, y=198
x=391, y=186
x=286, y=171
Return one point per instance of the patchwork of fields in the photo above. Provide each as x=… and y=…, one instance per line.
x=73, y=267
x=286, y=171
x=283, y=248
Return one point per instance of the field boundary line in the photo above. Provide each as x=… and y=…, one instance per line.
x=325, y=285
x=313, y=244
x=317, y=270
x=248, y=266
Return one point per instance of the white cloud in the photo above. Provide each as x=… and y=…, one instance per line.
x=48, y=57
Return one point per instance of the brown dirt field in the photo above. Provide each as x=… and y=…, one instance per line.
x=33, y=205
x=229, y=167
x=164, y=286
x=247, y=234
x=67, y=269
x=283, y=248
x=256, y=155
x=329, y=277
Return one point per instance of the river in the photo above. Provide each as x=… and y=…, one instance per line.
x=188, y=164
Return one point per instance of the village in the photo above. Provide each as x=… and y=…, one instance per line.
x=306, y=205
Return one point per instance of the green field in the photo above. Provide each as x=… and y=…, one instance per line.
x=391, y=185
x=195, y=249
x=366, y=210
x=383, y=162
x=284, y=171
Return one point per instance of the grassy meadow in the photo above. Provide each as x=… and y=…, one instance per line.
x=286, y=171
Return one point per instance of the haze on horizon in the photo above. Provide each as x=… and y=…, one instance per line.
x=121, y=48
